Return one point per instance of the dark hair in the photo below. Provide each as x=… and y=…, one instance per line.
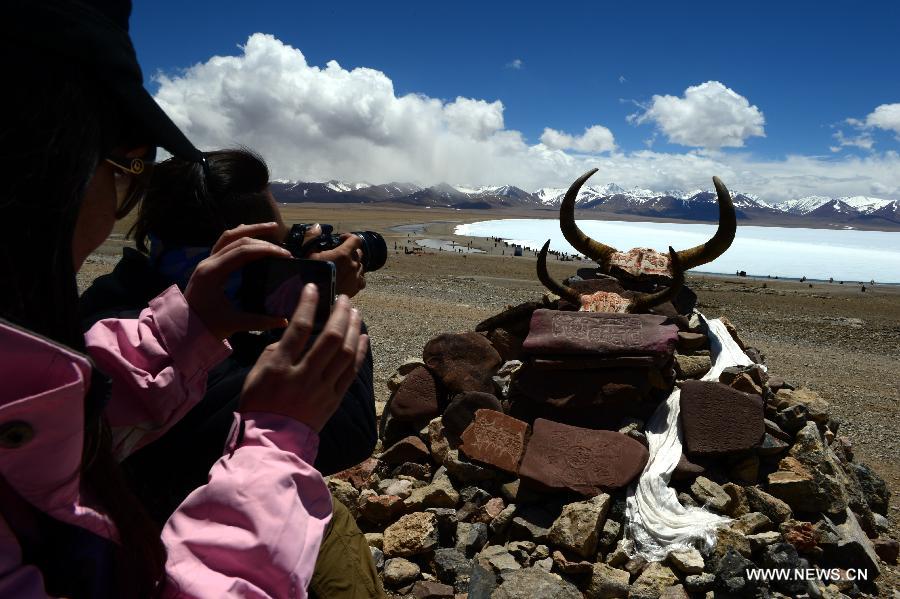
x=186, y=207
x=57, y=125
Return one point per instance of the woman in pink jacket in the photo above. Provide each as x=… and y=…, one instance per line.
x=77, y=137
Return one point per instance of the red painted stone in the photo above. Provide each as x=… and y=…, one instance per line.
x=560, y=456
x=496, y=439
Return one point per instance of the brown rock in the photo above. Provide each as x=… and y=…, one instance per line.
x=887, y=549
x=760, y=501
x=686, y=469
x=461, y=411
x=462, y=361
x=738, y=506
x=744, y=382
x=496, y=439
x=431, y=589
x=801, y=535
x=410, y=449
x=688, y=342
x=379, y=509
x=560, y=456
x=732, y=331
x=359, y=475
x=418, y=397
x=816, y=407
x=691, y=367
x=489, y=511
x=717, y=420
x=508, y=345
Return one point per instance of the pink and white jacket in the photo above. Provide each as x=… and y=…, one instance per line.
x=253, y=530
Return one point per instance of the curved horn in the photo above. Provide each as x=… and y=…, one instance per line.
x=563, y=291
x=645, y=301
x=581, y=242
x=721, y=241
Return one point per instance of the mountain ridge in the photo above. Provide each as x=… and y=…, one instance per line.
x=610, y=198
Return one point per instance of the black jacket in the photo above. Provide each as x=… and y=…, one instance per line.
x=167, y=470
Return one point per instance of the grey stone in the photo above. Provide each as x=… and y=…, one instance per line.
x=775, y=509
x=688, y=561
x=873, y=487
x=607, y=582
x=438, y=493
x=470, y=537
x=482, y=581
x=450, y=566
x=578, y=527
x=610, y=533
x=531, y=583
x=398, y=571
x=699, y=583
x=710, y=494
x=500, y=524
x=853, y=548
x=377, y=557
x=465, y=471
x=751, y=523
x=731, y=577
x=760, y=540
x=504, y=561
x=531, y=523
x=783, y=556
x=652, y=582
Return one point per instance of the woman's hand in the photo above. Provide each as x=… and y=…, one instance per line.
x=347, y=258
x=308, y=385
x=205, y=292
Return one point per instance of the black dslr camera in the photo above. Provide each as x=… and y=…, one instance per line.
x=374, y=248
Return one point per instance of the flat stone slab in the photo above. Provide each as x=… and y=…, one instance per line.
x=587, y=461
x=718, y=420
x=554, y=332
x=496, y=439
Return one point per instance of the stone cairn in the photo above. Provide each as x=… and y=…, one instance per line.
x=507, y=453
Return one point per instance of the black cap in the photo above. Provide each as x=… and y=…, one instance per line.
x=95, y=32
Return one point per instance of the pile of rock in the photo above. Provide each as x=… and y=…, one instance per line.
x=507, y=454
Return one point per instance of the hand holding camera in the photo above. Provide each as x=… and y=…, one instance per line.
x=319, y=377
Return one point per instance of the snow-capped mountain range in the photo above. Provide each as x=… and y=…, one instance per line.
x=700, y=205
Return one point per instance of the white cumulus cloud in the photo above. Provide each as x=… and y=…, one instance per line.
x=516, y=64
x=886, y=116
x=594, y=139
x=315, y=123
x=709, y=115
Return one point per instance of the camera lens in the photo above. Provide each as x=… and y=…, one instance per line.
x=374, y=250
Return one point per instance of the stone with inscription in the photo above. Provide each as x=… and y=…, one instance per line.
x=462, y=361
x=590, y=462
x=419, y=397
x=461, y=411
x=717, y=420
x=555, y=332
x=496, y=439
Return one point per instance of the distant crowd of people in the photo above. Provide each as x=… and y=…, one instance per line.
x=155, y=439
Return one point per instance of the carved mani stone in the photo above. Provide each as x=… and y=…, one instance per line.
x=718, y=420
x=496, y=439
x=587, y=461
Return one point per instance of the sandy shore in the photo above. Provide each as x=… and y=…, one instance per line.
x=832, y=338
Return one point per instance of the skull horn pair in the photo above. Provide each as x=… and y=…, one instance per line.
x=648, y=262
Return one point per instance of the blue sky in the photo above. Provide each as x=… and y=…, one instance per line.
x=788, y=76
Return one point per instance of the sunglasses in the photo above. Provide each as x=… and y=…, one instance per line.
x=132, y=177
